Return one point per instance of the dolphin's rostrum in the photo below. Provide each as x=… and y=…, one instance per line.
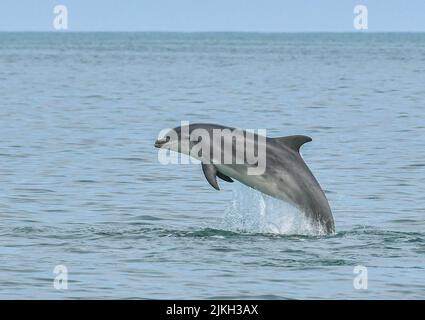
x=285, y=176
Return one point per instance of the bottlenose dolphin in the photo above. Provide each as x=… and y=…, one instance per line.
x=285, y=176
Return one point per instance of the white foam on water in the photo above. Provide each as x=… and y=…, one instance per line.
x=253, y=211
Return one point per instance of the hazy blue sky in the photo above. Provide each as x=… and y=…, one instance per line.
x=213, y=15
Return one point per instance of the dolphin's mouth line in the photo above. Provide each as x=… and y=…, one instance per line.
x=161, y=142
x=165, y=143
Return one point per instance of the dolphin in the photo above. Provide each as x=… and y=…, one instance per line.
x=285, y=176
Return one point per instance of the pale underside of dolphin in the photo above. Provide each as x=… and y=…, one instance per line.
x=285, y=177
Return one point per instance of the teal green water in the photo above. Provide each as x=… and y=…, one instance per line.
x=81, y=185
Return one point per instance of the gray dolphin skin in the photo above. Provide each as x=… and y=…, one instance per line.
x=285, y=176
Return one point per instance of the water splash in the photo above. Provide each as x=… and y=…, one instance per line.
x=253, y=211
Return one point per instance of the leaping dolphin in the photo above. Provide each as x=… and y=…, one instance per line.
x=285, y=176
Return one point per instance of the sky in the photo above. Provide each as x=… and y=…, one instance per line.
x=213, y=15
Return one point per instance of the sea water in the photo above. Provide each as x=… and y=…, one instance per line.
x=81, y=185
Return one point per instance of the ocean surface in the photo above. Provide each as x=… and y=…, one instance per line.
x=81, y=185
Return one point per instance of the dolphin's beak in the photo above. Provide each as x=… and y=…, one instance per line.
x=160, y=142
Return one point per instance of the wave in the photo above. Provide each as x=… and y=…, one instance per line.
x=122, y=231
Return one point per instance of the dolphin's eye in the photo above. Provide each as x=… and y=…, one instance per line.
x=167, y=139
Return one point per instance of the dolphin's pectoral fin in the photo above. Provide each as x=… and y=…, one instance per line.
x=293, y=142
x=224, y=177
x=210, y=172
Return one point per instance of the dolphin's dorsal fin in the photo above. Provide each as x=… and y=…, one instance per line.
x=211, y=173
x=293, y=142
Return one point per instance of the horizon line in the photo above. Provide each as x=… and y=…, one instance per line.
x=207, y=31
